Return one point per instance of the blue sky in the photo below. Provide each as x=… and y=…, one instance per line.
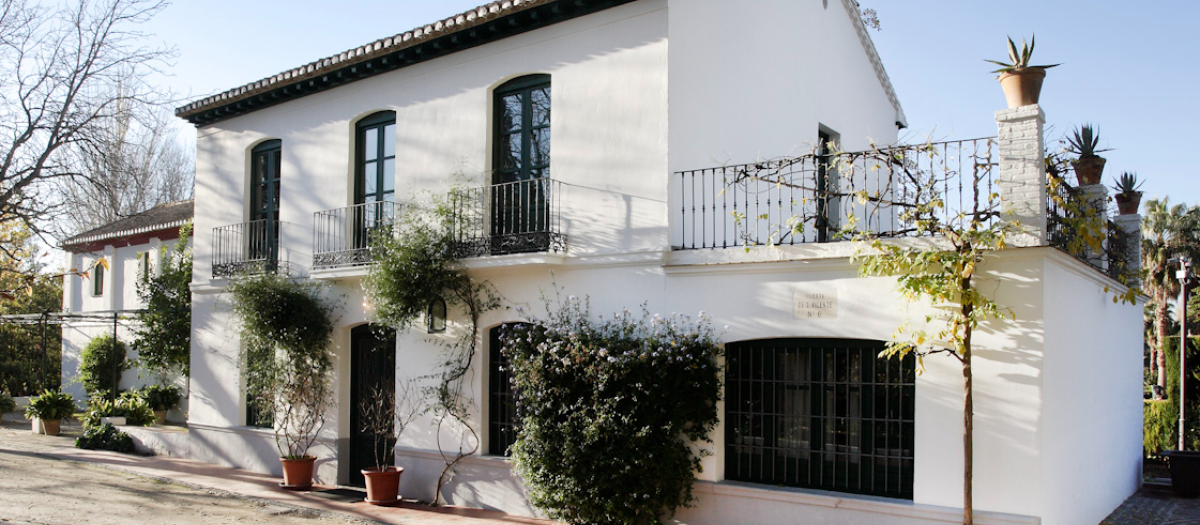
x=1127, y=67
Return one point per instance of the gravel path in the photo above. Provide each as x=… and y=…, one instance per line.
x=37, y=490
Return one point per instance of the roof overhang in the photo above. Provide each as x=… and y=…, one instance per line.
x=476, y=27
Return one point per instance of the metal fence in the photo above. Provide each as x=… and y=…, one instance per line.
x=514, y=217
x=1079, y=228
x=342, y=236
x=251, y=246
x=895, y=191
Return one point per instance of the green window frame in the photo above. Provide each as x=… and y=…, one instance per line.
x=266, y=164
x=375, y=158
x=97, y=279
x=522, y=130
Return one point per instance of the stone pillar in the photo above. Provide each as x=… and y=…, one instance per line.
x=1095, y=197
x=1022, y=179
x=1132, y=226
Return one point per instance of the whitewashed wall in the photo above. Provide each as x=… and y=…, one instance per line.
x=737, y=82
x=120, y=293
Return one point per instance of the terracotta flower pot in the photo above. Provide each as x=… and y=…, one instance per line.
x=383, y=486
x=1088, y=170
x=160, y=417
x=1022, y=86
x=297, y=473
x=49, y=427
x=1128, y=203
x=1185, y=472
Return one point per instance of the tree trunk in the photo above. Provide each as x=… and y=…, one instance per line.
x=1161, y=325
x=968, y=414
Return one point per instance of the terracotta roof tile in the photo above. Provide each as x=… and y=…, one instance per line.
x=161, y=217
x=409, y=38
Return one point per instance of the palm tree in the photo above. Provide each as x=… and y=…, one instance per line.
x=1167, y=231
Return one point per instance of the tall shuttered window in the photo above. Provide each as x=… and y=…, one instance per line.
x=820, y=413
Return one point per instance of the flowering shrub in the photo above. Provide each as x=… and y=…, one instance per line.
x=608, y=411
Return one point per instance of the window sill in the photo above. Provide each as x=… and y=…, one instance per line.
x=858, y=502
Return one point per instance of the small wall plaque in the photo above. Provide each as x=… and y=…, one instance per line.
x=814, y=304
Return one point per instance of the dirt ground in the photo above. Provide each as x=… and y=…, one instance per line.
x=38, y=490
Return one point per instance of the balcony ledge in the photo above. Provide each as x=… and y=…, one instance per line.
x=516, y=260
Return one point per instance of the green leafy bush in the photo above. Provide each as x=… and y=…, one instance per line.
x=130, y=405
x=101, y=364
x=162, y=397
x=412, y=268
x=289, y=323
x=608, y=412
x=105, y=437
x=164, y=333
x=6, y=403
x=1161, y=418
x=51, y=405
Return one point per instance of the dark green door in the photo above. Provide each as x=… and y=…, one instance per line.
x=372, y=367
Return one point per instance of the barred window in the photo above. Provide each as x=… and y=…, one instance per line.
x=502, y=401
x=820, y=413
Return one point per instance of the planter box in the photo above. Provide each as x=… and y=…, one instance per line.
x=1185, y=472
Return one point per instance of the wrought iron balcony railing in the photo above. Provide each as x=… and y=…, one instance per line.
x=514, y=217
x=245, y=247
x=888, y=192
x=342, y=237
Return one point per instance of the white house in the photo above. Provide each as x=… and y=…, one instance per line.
x=100, y=300
x=652, y=109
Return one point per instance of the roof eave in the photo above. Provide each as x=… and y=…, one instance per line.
x=479, y=26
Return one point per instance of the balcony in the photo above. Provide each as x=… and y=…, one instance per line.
x=509, y=218
x=246, y=247
x=342, y=237
x=827, y=198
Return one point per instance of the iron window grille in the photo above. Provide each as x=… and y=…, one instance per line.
x=503, y=422
x=820, y=413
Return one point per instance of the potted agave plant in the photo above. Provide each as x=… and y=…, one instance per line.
x=1021, y=82
x=47, y=410
x=1089, y=167
x=1128, y=197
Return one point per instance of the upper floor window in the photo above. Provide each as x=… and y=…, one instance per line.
x=98, y=279
x=375, y=164
x=522, y=133
x=262, y=237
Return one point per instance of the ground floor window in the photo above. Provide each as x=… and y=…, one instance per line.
x=820, y=413
x=502, y=402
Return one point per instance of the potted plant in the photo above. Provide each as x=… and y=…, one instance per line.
x=47, y=411
x=161, y=398
x=6, y=403
x=1021, y=82
x=289, y=323
x=1128, y=197
x=378, y=416
x=1089, y=167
